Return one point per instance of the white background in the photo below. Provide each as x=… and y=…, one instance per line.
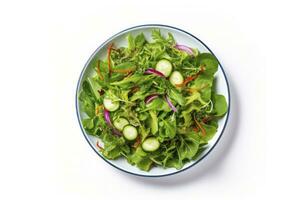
x=44, y=46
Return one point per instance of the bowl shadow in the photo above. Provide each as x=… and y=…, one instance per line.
x=212, y=164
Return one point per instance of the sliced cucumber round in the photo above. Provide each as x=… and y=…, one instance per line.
x=130, y=132
x=110, y=105
x=164, y=66
x=120, y=123
x=150, y=144
x=176, y=78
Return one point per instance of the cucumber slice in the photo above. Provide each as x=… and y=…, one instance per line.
x=176, y=78
x=130, y=132
x=110, y=105
x=150, y=144
x=120, y=123
x=165, y=67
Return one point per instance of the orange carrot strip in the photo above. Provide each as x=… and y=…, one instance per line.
x=200, y=126
x=191, y=78
x=108, y=58
x=98, y=109
x=196, y=129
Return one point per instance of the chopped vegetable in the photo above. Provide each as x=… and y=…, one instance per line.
x=109, y=59
x=110, y=105
x=176, y=78
x=107, y=117
x=150, y=98
x=184, y=48
x=191, y=78
x=165, y=67
x=150, y=144
x=170, y=103
x=153, y=71
x=130, y=132
x=120, y=123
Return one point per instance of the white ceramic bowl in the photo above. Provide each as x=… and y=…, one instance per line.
x=181, y=37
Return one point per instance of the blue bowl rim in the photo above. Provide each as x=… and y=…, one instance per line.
x=101, y=46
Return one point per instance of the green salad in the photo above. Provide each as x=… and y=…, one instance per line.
x=153, y=102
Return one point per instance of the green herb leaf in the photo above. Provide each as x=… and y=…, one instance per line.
x=209, y=62
x=220, y=105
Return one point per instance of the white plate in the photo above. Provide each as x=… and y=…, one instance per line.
x=181, y=37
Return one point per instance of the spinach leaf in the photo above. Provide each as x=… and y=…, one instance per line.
x=220, y=105
x=209, y=62
x=210, y=132
x=203, y=84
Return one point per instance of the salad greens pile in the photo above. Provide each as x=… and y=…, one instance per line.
x=152, y=102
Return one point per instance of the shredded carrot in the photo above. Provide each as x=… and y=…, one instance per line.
x=196, y=129
x=187, y=80
x=191, y=78
x=200, y=126
x=98, y=109
x=98, y=145
x=98, y=70
x=108, y=57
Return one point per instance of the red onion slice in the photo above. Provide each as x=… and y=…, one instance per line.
x=108, y=121
x=170, y=103
x=184, y=48
x=153, y=71
x=150, y=98
x=107, y=117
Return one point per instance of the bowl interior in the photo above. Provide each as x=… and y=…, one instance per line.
x=181, y=37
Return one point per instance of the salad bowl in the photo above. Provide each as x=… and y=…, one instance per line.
x=181, y=37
